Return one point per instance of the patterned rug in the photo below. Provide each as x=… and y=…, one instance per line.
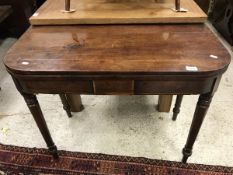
x=18, y=160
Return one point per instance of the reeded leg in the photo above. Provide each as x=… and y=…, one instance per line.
x=176, y=109
x=66, y=105
x=199, y=115
x=37, y=114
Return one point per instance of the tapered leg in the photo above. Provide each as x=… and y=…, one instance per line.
x=66, y=105
x=176, y=109
x=37, y=114
x=199, y=115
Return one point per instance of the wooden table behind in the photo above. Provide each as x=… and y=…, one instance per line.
x=117, y=11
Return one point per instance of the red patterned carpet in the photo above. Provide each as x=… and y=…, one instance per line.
x=31, y=161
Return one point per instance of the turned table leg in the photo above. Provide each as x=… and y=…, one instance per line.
x=37, y=114
x=66, y=105
x=199, y=115
x=176, y=109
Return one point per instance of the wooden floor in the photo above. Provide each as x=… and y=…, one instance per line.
x=117, y=11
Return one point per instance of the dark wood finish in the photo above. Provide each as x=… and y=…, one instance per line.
x=67, y=5
x=111, y=87
x=119, y=59
x=199, y=115
x=177, y=5
x=146, y=87
x=165, y=102
x=152, y=87
x=72, y=85
x=66, y=105
x=176, y=109
x=38, y=116
x=117, y=49
x=5, y=11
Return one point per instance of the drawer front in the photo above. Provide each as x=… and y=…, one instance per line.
x=111, y=87
x=116, y=87
x=56, y=87
x=172, y=87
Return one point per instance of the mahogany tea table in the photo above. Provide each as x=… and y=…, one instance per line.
x=118, y=59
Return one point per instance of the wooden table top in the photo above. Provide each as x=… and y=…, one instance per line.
x=117, y=12
x=129, y=49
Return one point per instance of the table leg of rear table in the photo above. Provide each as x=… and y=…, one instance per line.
x=75, y=102
x=199, y=115
x=37, y=114
x=165, y=102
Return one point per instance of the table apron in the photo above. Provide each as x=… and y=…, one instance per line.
x=117, y=86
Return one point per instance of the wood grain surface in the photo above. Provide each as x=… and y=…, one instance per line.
x=131, y=49
x=117, y=11
x=165, y=102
